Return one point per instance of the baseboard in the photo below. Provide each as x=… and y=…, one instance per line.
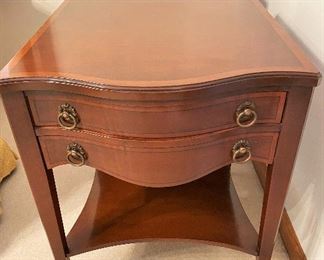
x=286, y=229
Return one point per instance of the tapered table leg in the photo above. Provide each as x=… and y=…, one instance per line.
x=41, y=180
x=279, y=173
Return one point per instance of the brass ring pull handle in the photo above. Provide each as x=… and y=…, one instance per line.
x=76, y=155
x=241, y=152
x=246, y=115
x=68, y=117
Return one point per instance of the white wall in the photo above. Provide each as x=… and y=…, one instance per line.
x=305, y=202
x=305, y=19
x=19, y=20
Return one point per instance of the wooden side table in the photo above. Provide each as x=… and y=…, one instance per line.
x=160, y=97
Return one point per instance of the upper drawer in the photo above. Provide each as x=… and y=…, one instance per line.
x=157, y=119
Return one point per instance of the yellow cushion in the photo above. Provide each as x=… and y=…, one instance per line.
x=7, y=160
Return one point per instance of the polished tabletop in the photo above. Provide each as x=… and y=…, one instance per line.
x=158, y=43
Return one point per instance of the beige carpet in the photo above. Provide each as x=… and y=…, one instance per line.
x=22, y=236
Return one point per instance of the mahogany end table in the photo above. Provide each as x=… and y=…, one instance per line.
x=160, y=97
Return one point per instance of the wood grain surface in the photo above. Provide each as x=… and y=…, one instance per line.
x=41, y=180
x=156, y=85
x=207, y=210
x=279, y=173
x=154, y=44
x=155, y=119
x=286, y=229
x=157, y=163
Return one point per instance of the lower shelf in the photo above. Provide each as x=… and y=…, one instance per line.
x=206, y=210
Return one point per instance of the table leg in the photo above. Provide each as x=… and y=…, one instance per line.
x=279, y=173
x=40, y=179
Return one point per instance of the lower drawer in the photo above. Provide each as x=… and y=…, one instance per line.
x=156, y=163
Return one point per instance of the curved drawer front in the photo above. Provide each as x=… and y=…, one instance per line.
x=155, y=119
x=157, y=163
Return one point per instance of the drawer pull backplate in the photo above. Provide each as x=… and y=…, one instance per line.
x=76, y=155
x=68, y=117
x=241, y=152
x=246, y=115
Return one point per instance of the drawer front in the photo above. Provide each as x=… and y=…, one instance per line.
x=156, y=119
x=156, y=163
